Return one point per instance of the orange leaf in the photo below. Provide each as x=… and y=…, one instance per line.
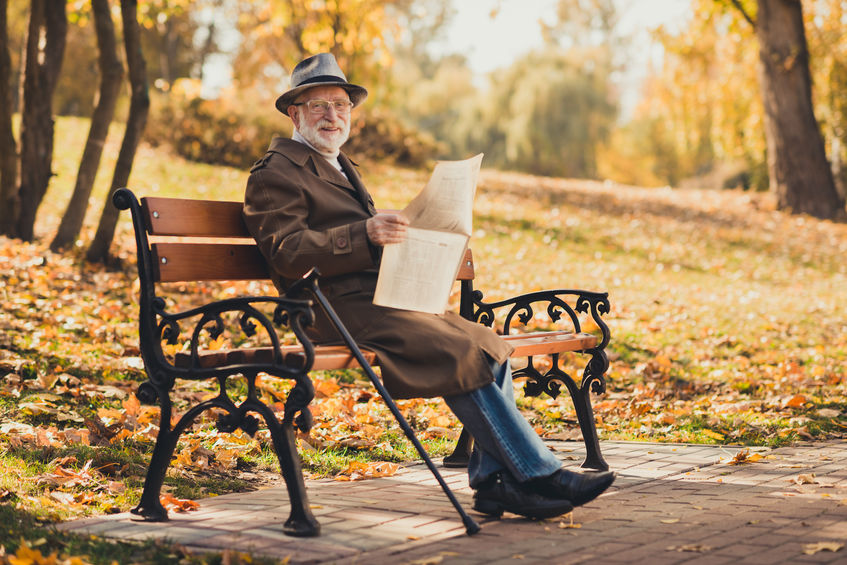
x=326, y=388
x=218, y=343
x=744, y=456
x=131, y=405
x=797, y=401
x=358, y=470
x=170, y=502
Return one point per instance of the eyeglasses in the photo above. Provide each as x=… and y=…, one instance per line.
x=321, y=107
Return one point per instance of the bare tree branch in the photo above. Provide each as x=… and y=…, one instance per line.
x=740, y=7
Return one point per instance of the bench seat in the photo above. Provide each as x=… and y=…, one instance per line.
x=333, y=357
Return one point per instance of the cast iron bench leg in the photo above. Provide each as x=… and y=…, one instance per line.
x=150, y=508
x=585, y=415
x=301, y=522
x=461, y=455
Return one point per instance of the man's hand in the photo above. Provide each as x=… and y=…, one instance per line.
x=386, y=228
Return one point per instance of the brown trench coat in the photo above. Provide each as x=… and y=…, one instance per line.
x=303, y=214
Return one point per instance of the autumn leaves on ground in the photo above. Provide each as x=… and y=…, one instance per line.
x=727, y=322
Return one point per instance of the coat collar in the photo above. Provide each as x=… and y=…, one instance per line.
x=304, y=156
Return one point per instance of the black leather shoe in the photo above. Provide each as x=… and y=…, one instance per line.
x=578, y=488
x=502, y=493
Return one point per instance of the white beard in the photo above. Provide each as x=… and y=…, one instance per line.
x=328, y=142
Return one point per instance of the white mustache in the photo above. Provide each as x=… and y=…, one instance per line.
x=328, y=123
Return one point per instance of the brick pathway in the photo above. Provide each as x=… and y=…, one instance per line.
x=670, y=504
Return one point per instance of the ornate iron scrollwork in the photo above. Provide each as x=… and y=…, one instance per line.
x=231, y=421
x=546, y=382
x=297, y=404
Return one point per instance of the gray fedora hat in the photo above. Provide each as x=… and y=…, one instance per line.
x=319, y=70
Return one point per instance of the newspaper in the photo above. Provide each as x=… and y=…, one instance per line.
x=419, y=273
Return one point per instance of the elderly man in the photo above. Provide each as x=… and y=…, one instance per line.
x=307, y=207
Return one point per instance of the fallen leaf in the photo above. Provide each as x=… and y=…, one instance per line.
x=326, y=388
x=62, y=497
x=694, y=547
x=62, y=476
x=812, y=548
x=27, y=556
x=796, y=401
x=713, y=434
x=434, y=560
x=569, y=524
x=358, y=470
x=805, y=479
x=116, y=487
x=356, y=443
x=170, y=502
x=744, y=456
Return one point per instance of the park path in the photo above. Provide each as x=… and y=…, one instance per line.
x=669, y=504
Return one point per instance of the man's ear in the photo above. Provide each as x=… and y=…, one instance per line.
x=294, y=115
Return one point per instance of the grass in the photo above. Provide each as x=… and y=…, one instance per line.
x=727, y=322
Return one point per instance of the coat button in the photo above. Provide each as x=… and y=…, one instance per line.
x=341, y=242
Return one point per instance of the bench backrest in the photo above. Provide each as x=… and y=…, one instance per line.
x=207, y=240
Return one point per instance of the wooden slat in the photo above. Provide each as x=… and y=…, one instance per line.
x=179, y=262
x=543, y=343
x=327, y=357
x=193, y=218
x=466, y=271
x=181, y=217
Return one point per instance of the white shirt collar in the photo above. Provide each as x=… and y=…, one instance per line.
x=332, y=158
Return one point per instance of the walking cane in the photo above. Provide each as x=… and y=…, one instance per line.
x=309, y=281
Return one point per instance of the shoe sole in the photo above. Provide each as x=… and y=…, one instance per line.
x=600, y=489
x=493, y=508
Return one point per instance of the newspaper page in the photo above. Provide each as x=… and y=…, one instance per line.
x=419, y=273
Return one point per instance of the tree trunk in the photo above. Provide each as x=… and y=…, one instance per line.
x=138, y=108
x=835, y=150
x=111, y=75
x=8, y=146
x=48, y=27
x=800, y=175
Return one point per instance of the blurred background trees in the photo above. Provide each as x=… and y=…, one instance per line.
x=215, y=67
x=704, y=113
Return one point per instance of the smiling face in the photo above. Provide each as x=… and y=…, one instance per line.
x=327, y=132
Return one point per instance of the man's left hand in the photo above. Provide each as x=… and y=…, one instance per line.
x=386, y=228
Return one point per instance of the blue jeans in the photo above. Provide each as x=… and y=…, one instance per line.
x=503, y=439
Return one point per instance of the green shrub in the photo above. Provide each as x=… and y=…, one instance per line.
x=212, y=131
x=237, y=133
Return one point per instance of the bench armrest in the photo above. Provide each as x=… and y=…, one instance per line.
x=250, y=315
x=561, y=306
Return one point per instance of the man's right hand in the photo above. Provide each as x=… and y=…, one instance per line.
x=386, y=228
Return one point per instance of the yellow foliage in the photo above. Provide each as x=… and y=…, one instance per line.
x=713, y=434
x=701, y=117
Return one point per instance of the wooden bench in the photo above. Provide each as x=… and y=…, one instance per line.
x=181, y=240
